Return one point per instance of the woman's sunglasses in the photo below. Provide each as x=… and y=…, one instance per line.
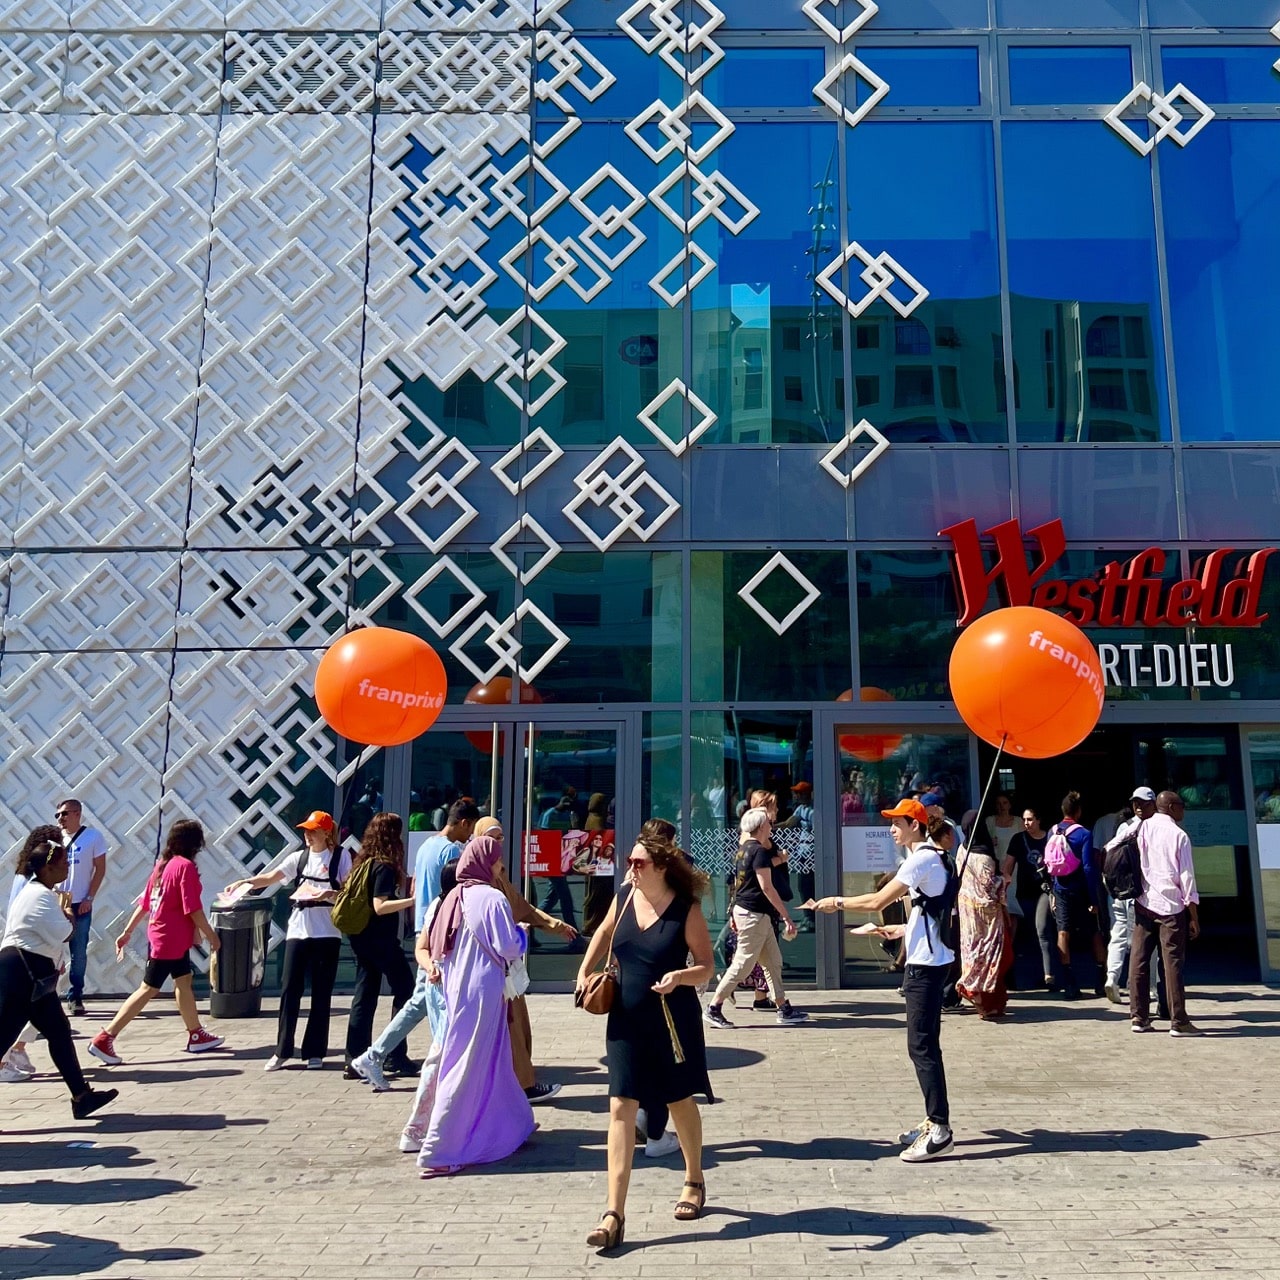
x=638, y=864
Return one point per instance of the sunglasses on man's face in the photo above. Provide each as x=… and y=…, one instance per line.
x=64, y=813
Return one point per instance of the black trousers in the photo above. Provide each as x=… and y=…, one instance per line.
x=46, y=1014
x=315, y=959
x=922, y=986
x=376, y=958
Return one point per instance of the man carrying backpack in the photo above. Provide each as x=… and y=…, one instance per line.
x=930, y=877
x=1144, y=805
x=1077, y=893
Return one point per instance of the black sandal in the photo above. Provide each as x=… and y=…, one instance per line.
x=608, y=1237
x=687, y=1210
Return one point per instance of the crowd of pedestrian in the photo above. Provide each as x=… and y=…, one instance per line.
x=970, y=908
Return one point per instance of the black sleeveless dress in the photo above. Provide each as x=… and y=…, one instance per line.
x=638, y=1042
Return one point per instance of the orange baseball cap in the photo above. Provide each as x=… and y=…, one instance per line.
x=317, y=821
x=908, y=808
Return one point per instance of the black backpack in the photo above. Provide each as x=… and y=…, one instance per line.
x=1122, y=868
x=939, y=906
x=335, y=857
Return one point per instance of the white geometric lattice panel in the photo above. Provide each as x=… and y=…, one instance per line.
x=113, y=397
x=307, y=71
x=92, y=600
x=32, y=68
x=28, y=156
x=470, y=15
x=250, y=598
x=144, y=73
x=280, y=377
x=824, y=14
x=90, y=725
x=833, y=462
x=1275, y=31
x=438, y=72
x=838, y=89
x=882, y=274
x=536, y=439
x=126, y=15
x=301, y=15
x=808, y=594
x=1167, y=113
x=620, y=489
x=687, y=48
x=676, y=391
x=34, y=15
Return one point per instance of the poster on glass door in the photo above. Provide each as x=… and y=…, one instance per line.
x=565, y=853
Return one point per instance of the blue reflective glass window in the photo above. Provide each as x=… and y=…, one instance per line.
x=1220, y=197
x=1077, y=15
x=931, y=381
x=766, y=77
x=1088, y=342
x=925, y=77
x=1222, y=74
x=1061, y=76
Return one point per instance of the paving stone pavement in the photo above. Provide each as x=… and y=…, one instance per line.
x=1080, y=1149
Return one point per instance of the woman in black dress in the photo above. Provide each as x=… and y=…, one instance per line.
x=654, y=1038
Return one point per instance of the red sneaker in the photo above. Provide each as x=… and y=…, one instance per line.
x=103, y=1047
x=201, y=1041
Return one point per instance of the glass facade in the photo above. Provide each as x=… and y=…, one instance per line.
x=636, y=357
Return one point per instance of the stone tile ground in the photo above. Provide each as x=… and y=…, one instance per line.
x=1081, y=1149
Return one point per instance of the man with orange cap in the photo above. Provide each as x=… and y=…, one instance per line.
x=929, y=876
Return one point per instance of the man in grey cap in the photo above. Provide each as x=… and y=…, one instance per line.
x=1144, y=805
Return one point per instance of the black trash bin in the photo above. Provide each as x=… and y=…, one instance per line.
x=237, y=968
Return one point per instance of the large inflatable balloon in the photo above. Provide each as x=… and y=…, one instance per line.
x=495, y=693
x=1029, y=679
x=871, y=747
x=380, y=686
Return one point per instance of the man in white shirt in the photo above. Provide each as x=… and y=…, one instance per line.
x=926, y=877
x=1144, y=805
x=1166, y=911
x=86, y=869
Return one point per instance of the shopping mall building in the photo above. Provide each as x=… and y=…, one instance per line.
x=683, y=372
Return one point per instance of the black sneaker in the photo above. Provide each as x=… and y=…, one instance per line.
x=764, y=1006
x=713, y=1015
x=541, y=1092
x=350, y=1073
x=789, y=1017
x=403, y=1067
x=85, y=1105
x=77, y=1008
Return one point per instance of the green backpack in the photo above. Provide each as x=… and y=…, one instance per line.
x=353, y=908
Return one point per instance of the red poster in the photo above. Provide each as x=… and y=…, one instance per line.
x=566, y=853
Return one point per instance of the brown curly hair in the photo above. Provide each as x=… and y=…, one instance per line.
x=383, y=840
x=679, y=873
x=37, y=836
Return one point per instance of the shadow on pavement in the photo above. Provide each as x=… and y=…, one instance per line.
x=17, y=1157
x=144, y=1075
x=101, y=1191
x=55, y=1253
x=1039, y=1142
x=180, y=1122
x=888, y=1229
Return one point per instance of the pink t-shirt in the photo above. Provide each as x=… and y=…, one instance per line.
x=172, y=896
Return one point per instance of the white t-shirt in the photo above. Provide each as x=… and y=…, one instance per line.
x=1002, y=837
x=923, y=870
x=313, y=922
x=82, y=852
x=36, y=922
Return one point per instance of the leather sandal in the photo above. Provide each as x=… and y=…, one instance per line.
x=608, y=1236
x=688, y=1210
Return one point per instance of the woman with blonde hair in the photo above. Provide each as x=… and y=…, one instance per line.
x=312, y=942
x=653, y=1039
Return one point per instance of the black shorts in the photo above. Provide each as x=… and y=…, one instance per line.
x=1071, y=911
x=158, y=970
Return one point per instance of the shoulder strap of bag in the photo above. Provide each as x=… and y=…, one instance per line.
x=631, y=897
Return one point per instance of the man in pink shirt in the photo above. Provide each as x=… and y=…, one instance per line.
x=1165, y=910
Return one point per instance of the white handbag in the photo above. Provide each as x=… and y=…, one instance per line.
x=517, y=980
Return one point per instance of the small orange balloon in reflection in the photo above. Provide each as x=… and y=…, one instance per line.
x=871, y=747
x=1029, y=679
x=495, y=693
x=380, y=686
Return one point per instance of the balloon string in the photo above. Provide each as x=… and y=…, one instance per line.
x=349, y=791
x=982, y=804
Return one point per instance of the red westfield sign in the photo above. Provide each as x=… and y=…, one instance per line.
x=1132, y=594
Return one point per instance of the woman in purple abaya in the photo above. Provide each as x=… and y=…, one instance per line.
x=479, y=1112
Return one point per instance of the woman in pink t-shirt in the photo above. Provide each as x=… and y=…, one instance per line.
x=172, y=901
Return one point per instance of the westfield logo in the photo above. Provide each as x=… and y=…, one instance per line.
x=1129, y=594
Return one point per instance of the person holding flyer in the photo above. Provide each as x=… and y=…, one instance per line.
x=171, y=901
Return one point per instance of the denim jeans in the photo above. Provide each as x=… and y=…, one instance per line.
x=922, y=986
x=78, y=944
x=412, y=1012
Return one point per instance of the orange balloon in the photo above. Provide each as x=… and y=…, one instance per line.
x=496, y=692
x=380, y=686
x=871, y=747
x=1029, y=679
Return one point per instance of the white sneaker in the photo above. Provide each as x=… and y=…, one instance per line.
x=367, y=1067
x=9, y=1074
x=274, y=1063
x=908, y=1136
x=412, y=1138
x=935, y=1141
x=666, y=1145
x=1112, y=990
x=315, y=1064
x=18, y=1058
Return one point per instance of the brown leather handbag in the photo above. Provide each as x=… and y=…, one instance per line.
x=598, y=993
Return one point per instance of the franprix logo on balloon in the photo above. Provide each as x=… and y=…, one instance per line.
x=1027, y=680
x=402, y=698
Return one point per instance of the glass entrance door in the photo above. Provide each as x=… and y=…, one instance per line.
x=554, y=786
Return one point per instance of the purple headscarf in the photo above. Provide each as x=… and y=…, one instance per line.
x=481, y=855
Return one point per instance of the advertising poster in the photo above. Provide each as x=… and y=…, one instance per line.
x=868, y=849
x=570, y=853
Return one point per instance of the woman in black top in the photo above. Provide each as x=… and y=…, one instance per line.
x=1025, y=859
x=654, y=1037
x=377, y=946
